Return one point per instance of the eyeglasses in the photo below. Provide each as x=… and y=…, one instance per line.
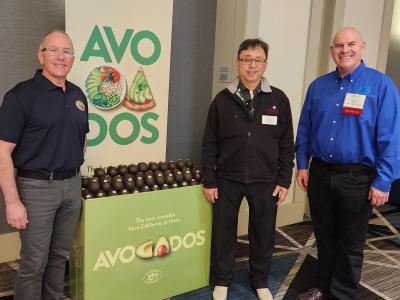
x=53, y=51
x=249, y=61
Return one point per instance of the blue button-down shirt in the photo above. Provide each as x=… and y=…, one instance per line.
x=373, y=138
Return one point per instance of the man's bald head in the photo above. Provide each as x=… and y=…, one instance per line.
x=347, y=49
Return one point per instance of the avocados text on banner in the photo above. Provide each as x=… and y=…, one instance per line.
x=122, y=64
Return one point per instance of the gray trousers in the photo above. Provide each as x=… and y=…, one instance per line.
x=53, y=208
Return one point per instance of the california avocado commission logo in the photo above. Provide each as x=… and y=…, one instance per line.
x=152, y=276
x=106, y=87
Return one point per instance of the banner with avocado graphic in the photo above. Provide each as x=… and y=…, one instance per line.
x=122, y=64
x=142, y=246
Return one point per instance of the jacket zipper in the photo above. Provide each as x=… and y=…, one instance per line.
x=247, y=158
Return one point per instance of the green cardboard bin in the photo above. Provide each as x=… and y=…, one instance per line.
x=142, y=246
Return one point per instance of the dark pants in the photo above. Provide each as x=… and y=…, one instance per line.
x=340, y=211
x=262, y=216
x=53, y=208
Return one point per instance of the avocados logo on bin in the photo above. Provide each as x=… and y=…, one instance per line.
x=147, y=250
x=106, y=87
x=152, y=276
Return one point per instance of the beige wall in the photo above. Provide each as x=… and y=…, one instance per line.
x=370, y=17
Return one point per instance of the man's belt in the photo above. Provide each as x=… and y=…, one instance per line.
x=345, y=168
x=48, y=175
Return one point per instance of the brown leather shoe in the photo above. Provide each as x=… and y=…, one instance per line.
x=311, y=294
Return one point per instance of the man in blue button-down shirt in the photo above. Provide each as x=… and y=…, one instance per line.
x=350, y=129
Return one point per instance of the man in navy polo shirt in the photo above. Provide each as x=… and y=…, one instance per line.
x=43, y=126
x=350, y=128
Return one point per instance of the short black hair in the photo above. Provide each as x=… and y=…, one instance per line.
x=253, y=43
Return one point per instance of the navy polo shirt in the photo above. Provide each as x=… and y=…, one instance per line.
x=47, y=124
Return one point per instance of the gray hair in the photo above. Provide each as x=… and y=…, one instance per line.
x=50, y=32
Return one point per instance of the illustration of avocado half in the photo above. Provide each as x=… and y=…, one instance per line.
x=161, y=248
x=139, y=96
x=145, y=250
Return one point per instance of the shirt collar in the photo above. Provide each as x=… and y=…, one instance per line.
x=353, y=75
x=46, y=84
x=265, y=87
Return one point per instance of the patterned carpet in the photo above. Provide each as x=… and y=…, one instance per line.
x=294, y=263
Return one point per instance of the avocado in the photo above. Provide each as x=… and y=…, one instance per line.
x=193, y=182
x=112, y=171
x=123, y=192
x=165, y=186
x=188, y=164
x=142, y=167
x=196, y=174
x=117, y=183
x=93, y=185
x=195, y=169
x=108, y=177
x=173, y=185
x=83, y=190
x=183, y=184
x=149, y=180
x=100, y=194
x=135, y=191
x=88, y=195
x=162, y=247
x=180, y=163
x=178, y=175
x=129, y=181
x=184, y=169
x=139, y=91
x=153, y=166
x=85, y=181
x=139, y=180
x=155, y=188
x=112, y=193
x=132, y=168
x=99, y=172
x=159, y=178
x=122, y=170
x=128, y=177
x=162, y=166
x=169, y=178
x=171, y=165
x=144, y=189
x=148, y=173
x=145, y=250
x=187, y=176
x=105, y=185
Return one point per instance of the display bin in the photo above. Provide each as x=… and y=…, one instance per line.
x=151, y=245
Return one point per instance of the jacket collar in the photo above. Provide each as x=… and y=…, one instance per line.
x=265, y=87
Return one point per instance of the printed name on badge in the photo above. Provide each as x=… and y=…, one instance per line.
x=269, y=120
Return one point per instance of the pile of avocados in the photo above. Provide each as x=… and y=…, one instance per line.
x=139, y=178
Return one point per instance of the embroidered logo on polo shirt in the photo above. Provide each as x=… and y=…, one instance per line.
x=80, y=105
x=365, y=90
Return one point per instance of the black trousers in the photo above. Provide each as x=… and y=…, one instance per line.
x=340, y=211
x=262, y=217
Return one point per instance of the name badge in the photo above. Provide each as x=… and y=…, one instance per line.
x=269, y=120
x=353, y=104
